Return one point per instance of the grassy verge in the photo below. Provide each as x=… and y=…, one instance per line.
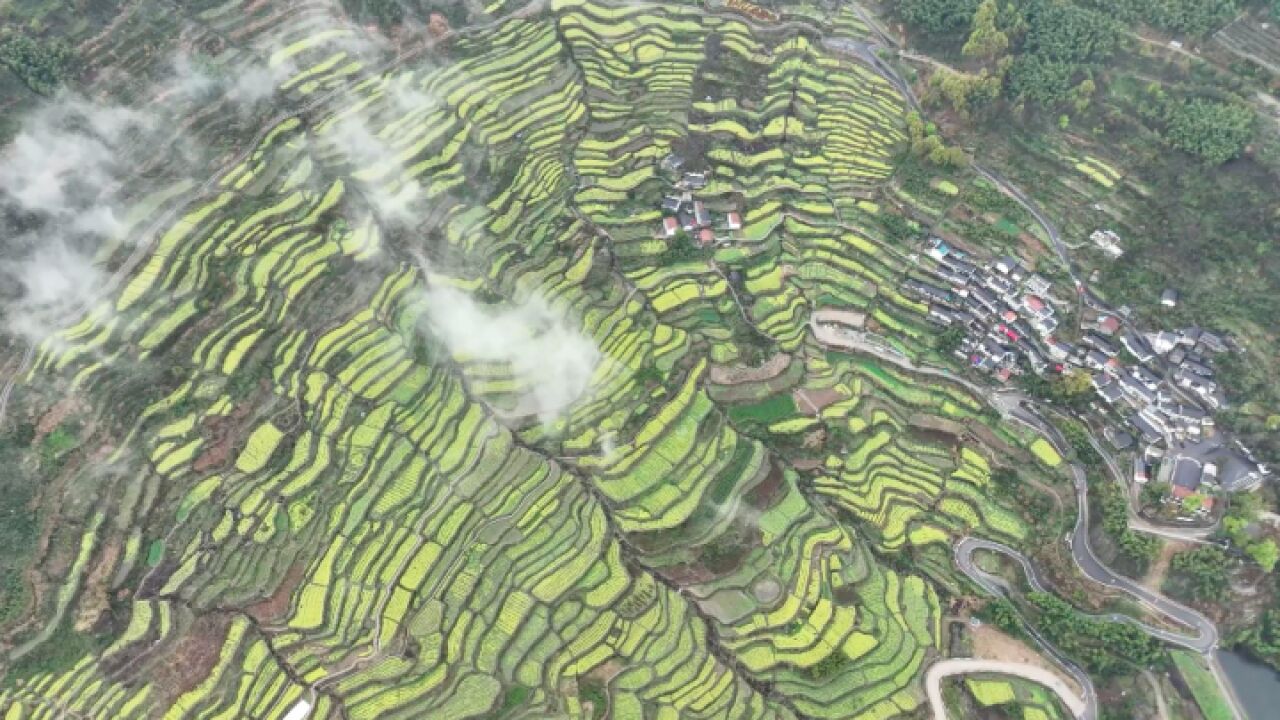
x=1204, y=686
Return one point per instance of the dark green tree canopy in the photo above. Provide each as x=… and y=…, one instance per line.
x=1212, y=130
x=938, y=16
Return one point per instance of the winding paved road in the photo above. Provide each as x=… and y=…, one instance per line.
x=1205, y=639
x=1203, y=642
x=965, y=666
x=1013, y=405
x=1136, y=521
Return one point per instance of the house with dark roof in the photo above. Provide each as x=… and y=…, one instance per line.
x=1212, y=342
x=998, y=284
x=1119, y=439
x=987, y=300
x=1145, y=376
x=1197, y=368
x=964, y=267
x=1100, y=343
x=951, y=276
x=1169, y=298
x=973, y=305
x=1137, y=346
x=1150, y=433
x=928, y=292
x=700, y=214
x=1163, y=341
x=1187, y=472
x=694, y=181
x=940, y=315
x=1106, y=388
x=1009, y=266
x=1132, y=387
x=1044, y=326
x=1059, y=350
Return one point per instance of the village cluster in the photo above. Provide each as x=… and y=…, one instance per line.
x=682, y=211
x=1156, y=390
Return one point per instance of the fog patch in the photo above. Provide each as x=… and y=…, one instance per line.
x=547, y=356
x=376, y=159
x=64, y=167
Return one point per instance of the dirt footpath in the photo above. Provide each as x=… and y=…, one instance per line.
x=989, y=643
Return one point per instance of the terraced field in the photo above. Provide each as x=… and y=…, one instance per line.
x=1018, y=698
x=446, y=432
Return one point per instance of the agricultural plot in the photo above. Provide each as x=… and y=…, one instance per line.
x=1017, y=698
x=1249, y=39
x=1204, y=686
x=346, y=506
x=912, y=491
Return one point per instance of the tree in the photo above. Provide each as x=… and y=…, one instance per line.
x=1193, y=502
x=1214, y=131
x=41, y=66
x=1069, y=33
x=1006, y=481
x=1236, y=528
x=949, y=340
x=1193, y=17
x=1204, y=571
x=1082, y=94
x=1153, y=493
x=937, y=16
x=951, y=157
x=1075, y=383
x=985, y=40
x=925, y=143
x=1001, y=613
x=1265, y=553
x=965, y=92
x=1041, y=80
x=1246, y=505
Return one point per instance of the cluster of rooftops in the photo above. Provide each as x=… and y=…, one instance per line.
x=1158, y=385
x=682, y=211
x=1005, y=309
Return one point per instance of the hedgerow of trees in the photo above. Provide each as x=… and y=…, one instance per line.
x=1199, y=574
x=1102, y=646
x=41, y=65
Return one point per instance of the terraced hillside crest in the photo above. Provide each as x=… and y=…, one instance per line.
x=336, y=502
